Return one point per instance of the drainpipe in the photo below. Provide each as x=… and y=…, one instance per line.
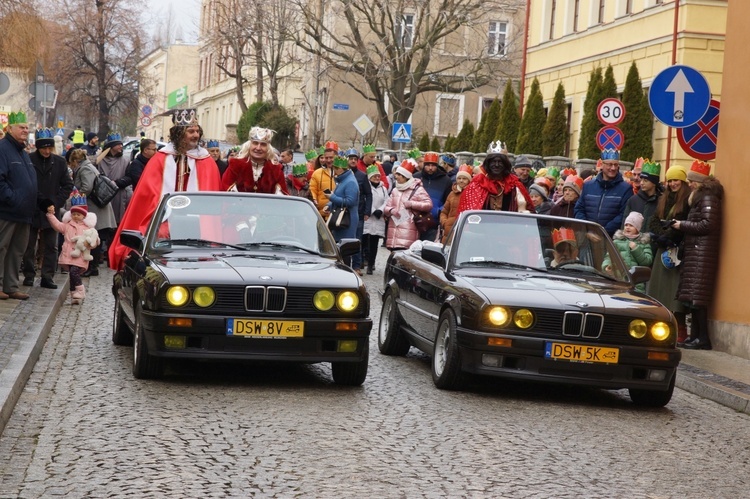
x=523, y=56
x=674, y=61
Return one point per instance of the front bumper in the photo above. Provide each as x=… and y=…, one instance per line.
x=206, y=338
x=525, y=359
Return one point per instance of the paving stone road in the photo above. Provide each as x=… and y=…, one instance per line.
x=84, y=427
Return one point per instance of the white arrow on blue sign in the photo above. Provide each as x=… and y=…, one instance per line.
x=679, y=96
x=401, y=132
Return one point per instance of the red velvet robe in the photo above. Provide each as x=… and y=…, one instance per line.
x=240, y=174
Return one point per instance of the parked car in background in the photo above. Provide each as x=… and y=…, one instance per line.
x=231, y=276
x=529, y=297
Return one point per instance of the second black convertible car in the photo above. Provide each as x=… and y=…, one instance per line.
x=529, y=297
x=241, y=276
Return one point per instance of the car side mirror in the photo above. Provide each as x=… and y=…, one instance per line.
x=640, y=274
x=133, y=239
x=433, y=253
x=349, y=247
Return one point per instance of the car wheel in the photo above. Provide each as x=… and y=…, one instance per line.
x=446, y=360
x=121, y=333
x=391, y=340
x=652, y=398
x=145, y=366
x=352, y=373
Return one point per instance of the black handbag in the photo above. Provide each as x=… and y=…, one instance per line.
x=340, y=218
x=423, y=220
x=104, y=190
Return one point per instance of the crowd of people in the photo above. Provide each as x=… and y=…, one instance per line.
x=673, y=226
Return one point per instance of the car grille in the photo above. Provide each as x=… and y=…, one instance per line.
x=262, y=300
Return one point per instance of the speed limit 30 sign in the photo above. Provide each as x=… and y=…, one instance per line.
x=610, y=112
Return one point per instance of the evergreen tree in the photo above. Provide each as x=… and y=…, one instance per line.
x=532, y=123
x=492, y=120
x=637, y=128
x=510, y=120
x=608, y=88
x=476, y=142
x=590, y=123
x=424, y=142
x=435, y=144
x=555, y=136
x=448, y=147
x=645, y=129
x=465, y=138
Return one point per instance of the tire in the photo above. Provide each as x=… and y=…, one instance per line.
x=652, y=398
x=145, y=366
x=352, y=373
x=121, y=333
x=446, y=359
x=391, y=341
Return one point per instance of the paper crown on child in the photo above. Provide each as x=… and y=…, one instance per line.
x=414, y=153
x=699, y=171
x=563, y=235
x=372, y=170
x=368, y=148
x=311, y=155
x=212, y=144
x=331, y=145
x=17, y=118
x=611, y=155
x=78, y=202
x=299, y=170
x=339, y=162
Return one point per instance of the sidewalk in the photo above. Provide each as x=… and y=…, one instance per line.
x=25, y=325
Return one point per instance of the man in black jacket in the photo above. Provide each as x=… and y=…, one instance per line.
x=53, y=187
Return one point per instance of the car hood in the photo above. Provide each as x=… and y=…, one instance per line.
x=254, y=268
x=560, y=293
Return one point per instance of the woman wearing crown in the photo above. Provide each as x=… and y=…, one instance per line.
x=252, y=170
x=495, y=187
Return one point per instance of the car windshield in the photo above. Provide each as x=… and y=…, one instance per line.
x=231, y=222
x=549, y=244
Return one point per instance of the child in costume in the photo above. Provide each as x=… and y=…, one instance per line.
x=75, y=227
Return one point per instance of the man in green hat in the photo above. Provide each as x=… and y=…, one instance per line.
x=369, y=157
x=297, y=183
x=647, y=198
x=18, y=186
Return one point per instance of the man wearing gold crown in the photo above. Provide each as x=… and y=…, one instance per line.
x=18, y=191
x=495, y=187
x=252, y=170
x=180, y=166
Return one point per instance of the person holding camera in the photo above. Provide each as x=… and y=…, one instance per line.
x=665, y=273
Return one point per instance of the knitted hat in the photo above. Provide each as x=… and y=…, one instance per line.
x=372, y=170
x=635, y=219
x=465, y=171
x=699, y=171
x=44, y=138
x=91, y=136
x=522, y=161
x=78, y=203
x=542, y=172
x=431, y=158
x=650, y=171
x=538, y=189
x=676, y=172
x=574, y=182
x=406, y=168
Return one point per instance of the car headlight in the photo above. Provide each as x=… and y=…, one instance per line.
x=178, y=295
x=324, y=300
x=499, y=316
x=660, y=331
x=637, y=328
x=523, y=318
x=204, y=296
x=347, y=301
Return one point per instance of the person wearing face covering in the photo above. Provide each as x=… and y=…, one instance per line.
x=495, y=187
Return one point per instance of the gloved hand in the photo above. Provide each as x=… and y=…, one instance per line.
x=664, y=242
x=377, y=213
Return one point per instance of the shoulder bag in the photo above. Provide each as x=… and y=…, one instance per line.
x=340, y=218
x=422, y=219
x=104, y=190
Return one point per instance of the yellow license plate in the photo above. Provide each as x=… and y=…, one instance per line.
x=581, y=353
x=265, y=328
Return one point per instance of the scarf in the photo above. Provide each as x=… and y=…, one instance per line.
x=405, y=185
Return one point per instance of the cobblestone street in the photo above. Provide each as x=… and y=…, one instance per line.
x=84, y=427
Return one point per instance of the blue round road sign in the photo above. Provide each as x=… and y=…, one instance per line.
x=679, y=96
x=699, y=140
x=610, y=137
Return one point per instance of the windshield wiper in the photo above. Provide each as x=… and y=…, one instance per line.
x=583, y=269
x=280, y=245
x=200, y=243
x=509, y=265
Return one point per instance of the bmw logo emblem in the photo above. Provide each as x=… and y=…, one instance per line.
x=265, y=278
x=582, y=304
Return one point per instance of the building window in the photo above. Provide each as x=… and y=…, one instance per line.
x=497, y=38
x=449, y=114
x=552, y=20
x=600, y=18
x=628, y=6
x=406, y=31
x=576, y=12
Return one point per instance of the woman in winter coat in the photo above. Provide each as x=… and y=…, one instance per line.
x=672, y=205
x=702, y=231
x=374, y=227
x=450, y=208
x=571, y=191
x=407, y=195
x=346, y=194
x=84, y=175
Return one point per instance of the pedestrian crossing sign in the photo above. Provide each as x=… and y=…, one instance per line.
x=401, y=132
x=60, y=132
